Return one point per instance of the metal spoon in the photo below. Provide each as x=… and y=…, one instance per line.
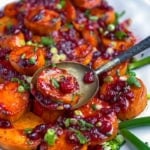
x=78, y=70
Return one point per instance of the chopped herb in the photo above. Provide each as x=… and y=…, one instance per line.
x=47, y=41
x=21, y=89
x=78, y=113
x=82, y=139
x=53, y=65
x=55, y=83
x=118, y=16
x=69, y=25
x=132, y=80
x=32, y=60
x=148, y=96
x=96, y=106
x=27, y=130
x=93, y=18
x=67, y=122
x=120, y=35
x=61, y=4
x=111, y=27
x=87, y=13
x=50, y=136
x=85, y=125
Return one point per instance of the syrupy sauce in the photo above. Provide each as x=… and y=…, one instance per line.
x=119, y=95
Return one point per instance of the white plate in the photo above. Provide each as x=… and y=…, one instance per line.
x=139, y=12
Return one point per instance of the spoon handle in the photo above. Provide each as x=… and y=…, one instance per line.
x=144, y=44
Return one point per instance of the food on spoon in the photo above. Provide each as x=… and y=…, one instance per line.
x=59, y=85
x=14, y=101
x=27, y=59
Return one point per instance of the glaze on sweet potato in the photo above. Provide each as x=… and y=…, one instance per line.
x=12, y=41
x=13, y=104
x=27, y=59
x=15, y=138
x=87, y=4
x=46, y=21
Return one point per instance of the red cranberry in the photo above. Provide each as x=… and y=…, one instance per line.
x=42, y=146
x=66, y=86
x=106, y=127
x=34, y=136
x=40, y=129
x=89, y=77
x=5, y=123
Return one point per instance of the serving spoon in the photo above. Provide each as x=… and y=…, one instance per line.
x=87, y=91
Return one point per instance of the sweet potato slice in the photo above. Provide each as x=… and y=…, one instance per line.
x=27, y=59
x=137, y=105
x=46, y=21
x=87, y=4
x=12, y=41
x=12, y=102
x=127, y=100
x=15, y=138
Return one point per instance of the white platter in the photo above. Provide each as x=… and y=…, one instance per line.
x=139, y=12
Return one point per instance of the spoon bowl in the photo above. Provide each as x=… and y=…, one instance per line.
x=88, y=90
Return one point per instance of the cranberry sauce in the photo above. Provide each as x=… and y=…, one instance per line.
x=118, y=95
x=5, y=124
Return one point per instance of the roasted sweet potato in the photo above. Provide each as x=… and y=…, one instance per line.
x=15, y=138
x=5, y=23
x=104, y=120
x=27, y=59
x=12, y=102
x=46, y=21
x=127, y=100
x=49, y=116
x=87, y=4
x=59, y=85
x=12, y=41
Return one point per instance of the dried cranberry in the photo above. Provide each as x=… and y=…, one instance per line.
x=40, y=129
x=89, y=77
x=106, y=127
x=34, y=136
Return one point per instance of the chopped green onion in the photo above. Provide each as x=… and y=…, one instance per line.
x=55, y=83
x=27, y=130
x=140, y=145
x=85, y=124
x=111, y=27
x=93, y=18
x=137, y=122
x=50, y=136
x=118, y=16
x=32, y=60
x=47, y=41
x=87, y=13
x=132, y=80
x=23, y=56
x=139, y=63
x=21, y=89
x=61, y=4
x=148, y=96
x=120, y=35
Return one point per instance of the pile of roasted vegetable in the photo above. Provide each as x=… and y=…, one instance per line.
x=35, y=33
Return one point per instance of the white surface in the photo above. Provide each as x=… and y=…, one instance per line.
x=139, y=12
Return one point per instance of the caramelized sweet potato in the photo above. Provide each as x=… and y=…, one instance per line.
x=87, y=4
x=46, y=21
x=63, y=144
x=127, y=100
x=12, y=102
x=27, y=59
x=105, y=120
x=58, y=85
x=5, y=23
x=15, y=138
x=12, y=41
x=10, y=10
x=49, y=116
x=137, y=105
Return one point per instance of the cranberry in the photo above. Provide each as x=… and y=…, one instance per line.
x=34, y=136
x=5, y=123
x=106, y=127
x=66, y=86
x=89, y=77
x=40, y=129
x=43, y=146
